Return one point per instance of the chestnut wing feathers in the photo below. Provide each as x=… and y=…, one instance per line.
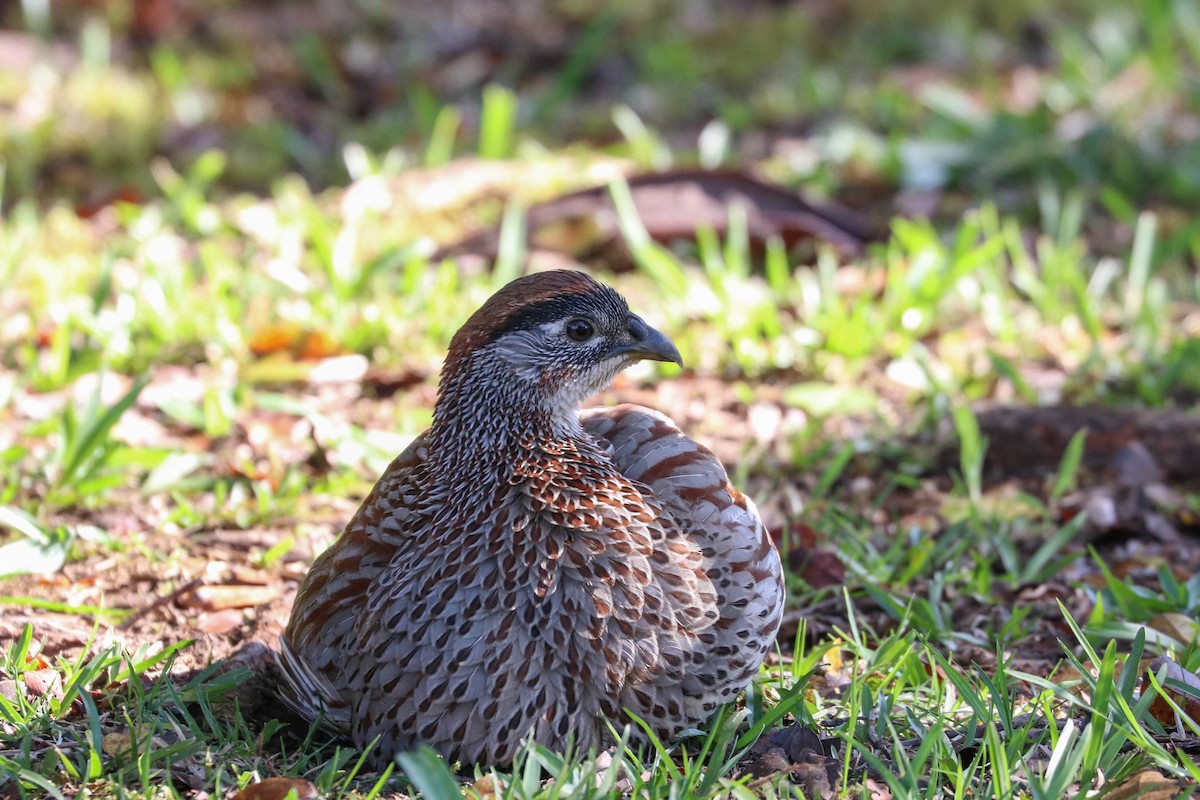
x=719, y=525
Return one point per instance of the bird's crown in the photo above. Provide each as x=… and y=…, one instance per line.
x=531, y=300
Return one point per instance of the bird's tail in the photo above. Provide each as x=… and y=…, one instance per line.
x=309, y=694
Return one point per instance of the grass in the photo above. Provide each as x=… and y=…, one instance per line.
x=201, y=359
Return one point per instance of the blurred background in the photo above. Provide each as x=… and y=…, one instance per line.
x=931, y=265
x=850, y=98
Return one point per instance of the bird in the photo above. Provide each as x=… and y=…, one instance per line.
x=529, y=570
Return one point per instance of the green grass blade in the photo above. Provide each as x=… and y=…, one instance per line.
x=429, y=773
x=23, y=523
x=497, y=122
x=440, y=148
x=95, y=429
x=1068, y=468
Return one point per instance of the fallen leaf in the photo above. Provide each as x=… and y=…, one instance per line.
x=1134, y=466
x=1171, y=672
x=386, y=381
x=879, y=791
x=833, y=659
x=674, y=205
x=255, y=577
x=1180, y=627
x=770, y=763
x=9, y=690
x=818, y=568
x=817, y=776
x=487, y=787
x=798, y=741
x=293, y=338
x=277, y=789
x=116, y=743
x=286, y=367
x=1148, y=784
x=276, y=337
x=44, y=681
x=216, y=598
x=341, y=369
x=36, y=662
x=798, y=751
x=219, y=623
x=33, y=556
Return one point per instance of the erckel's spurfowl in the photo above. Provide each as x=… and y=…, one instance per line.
x=526, y=568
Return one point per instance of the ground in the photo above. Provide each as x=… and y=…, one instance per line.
x=931, y=269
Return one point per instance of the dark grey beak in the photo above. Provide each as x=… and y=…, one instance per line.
x=648, y=343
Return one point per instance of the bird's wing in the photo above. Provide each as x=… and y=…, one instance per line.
x=310, y=694
x=320, y=632
x=707, y=515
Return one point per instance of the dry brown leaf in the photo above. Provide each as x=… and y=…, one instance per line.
x=9, y=690
x=1160, y=709
x=813, y=775
x=674, y=205
x=255, y=577
x=879, y=791
x=1148, y=784
x=116, y=743
x=44, y=681
x=1179, y=627
x=386, y=381
x=487, y=787
x=820, y=569
x=291, y=337
x=277, y=789
x=798, y=752
x=818, y=566
x=216, y=598
x=219, y=623
x=772, y=762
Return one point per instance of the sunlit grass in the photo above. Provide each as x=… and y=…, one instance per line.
x=95, y=306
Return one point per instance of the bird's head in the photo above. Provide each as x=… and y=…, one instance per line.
x=543, y=343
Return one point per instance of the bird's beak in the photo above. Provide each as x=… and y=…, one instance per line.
x=648, y=343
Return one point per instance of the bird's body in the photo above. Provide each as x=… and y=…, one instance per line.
x=524, y=568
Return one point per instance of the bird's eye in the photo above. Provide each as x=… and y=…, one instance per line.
x=580, y=330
